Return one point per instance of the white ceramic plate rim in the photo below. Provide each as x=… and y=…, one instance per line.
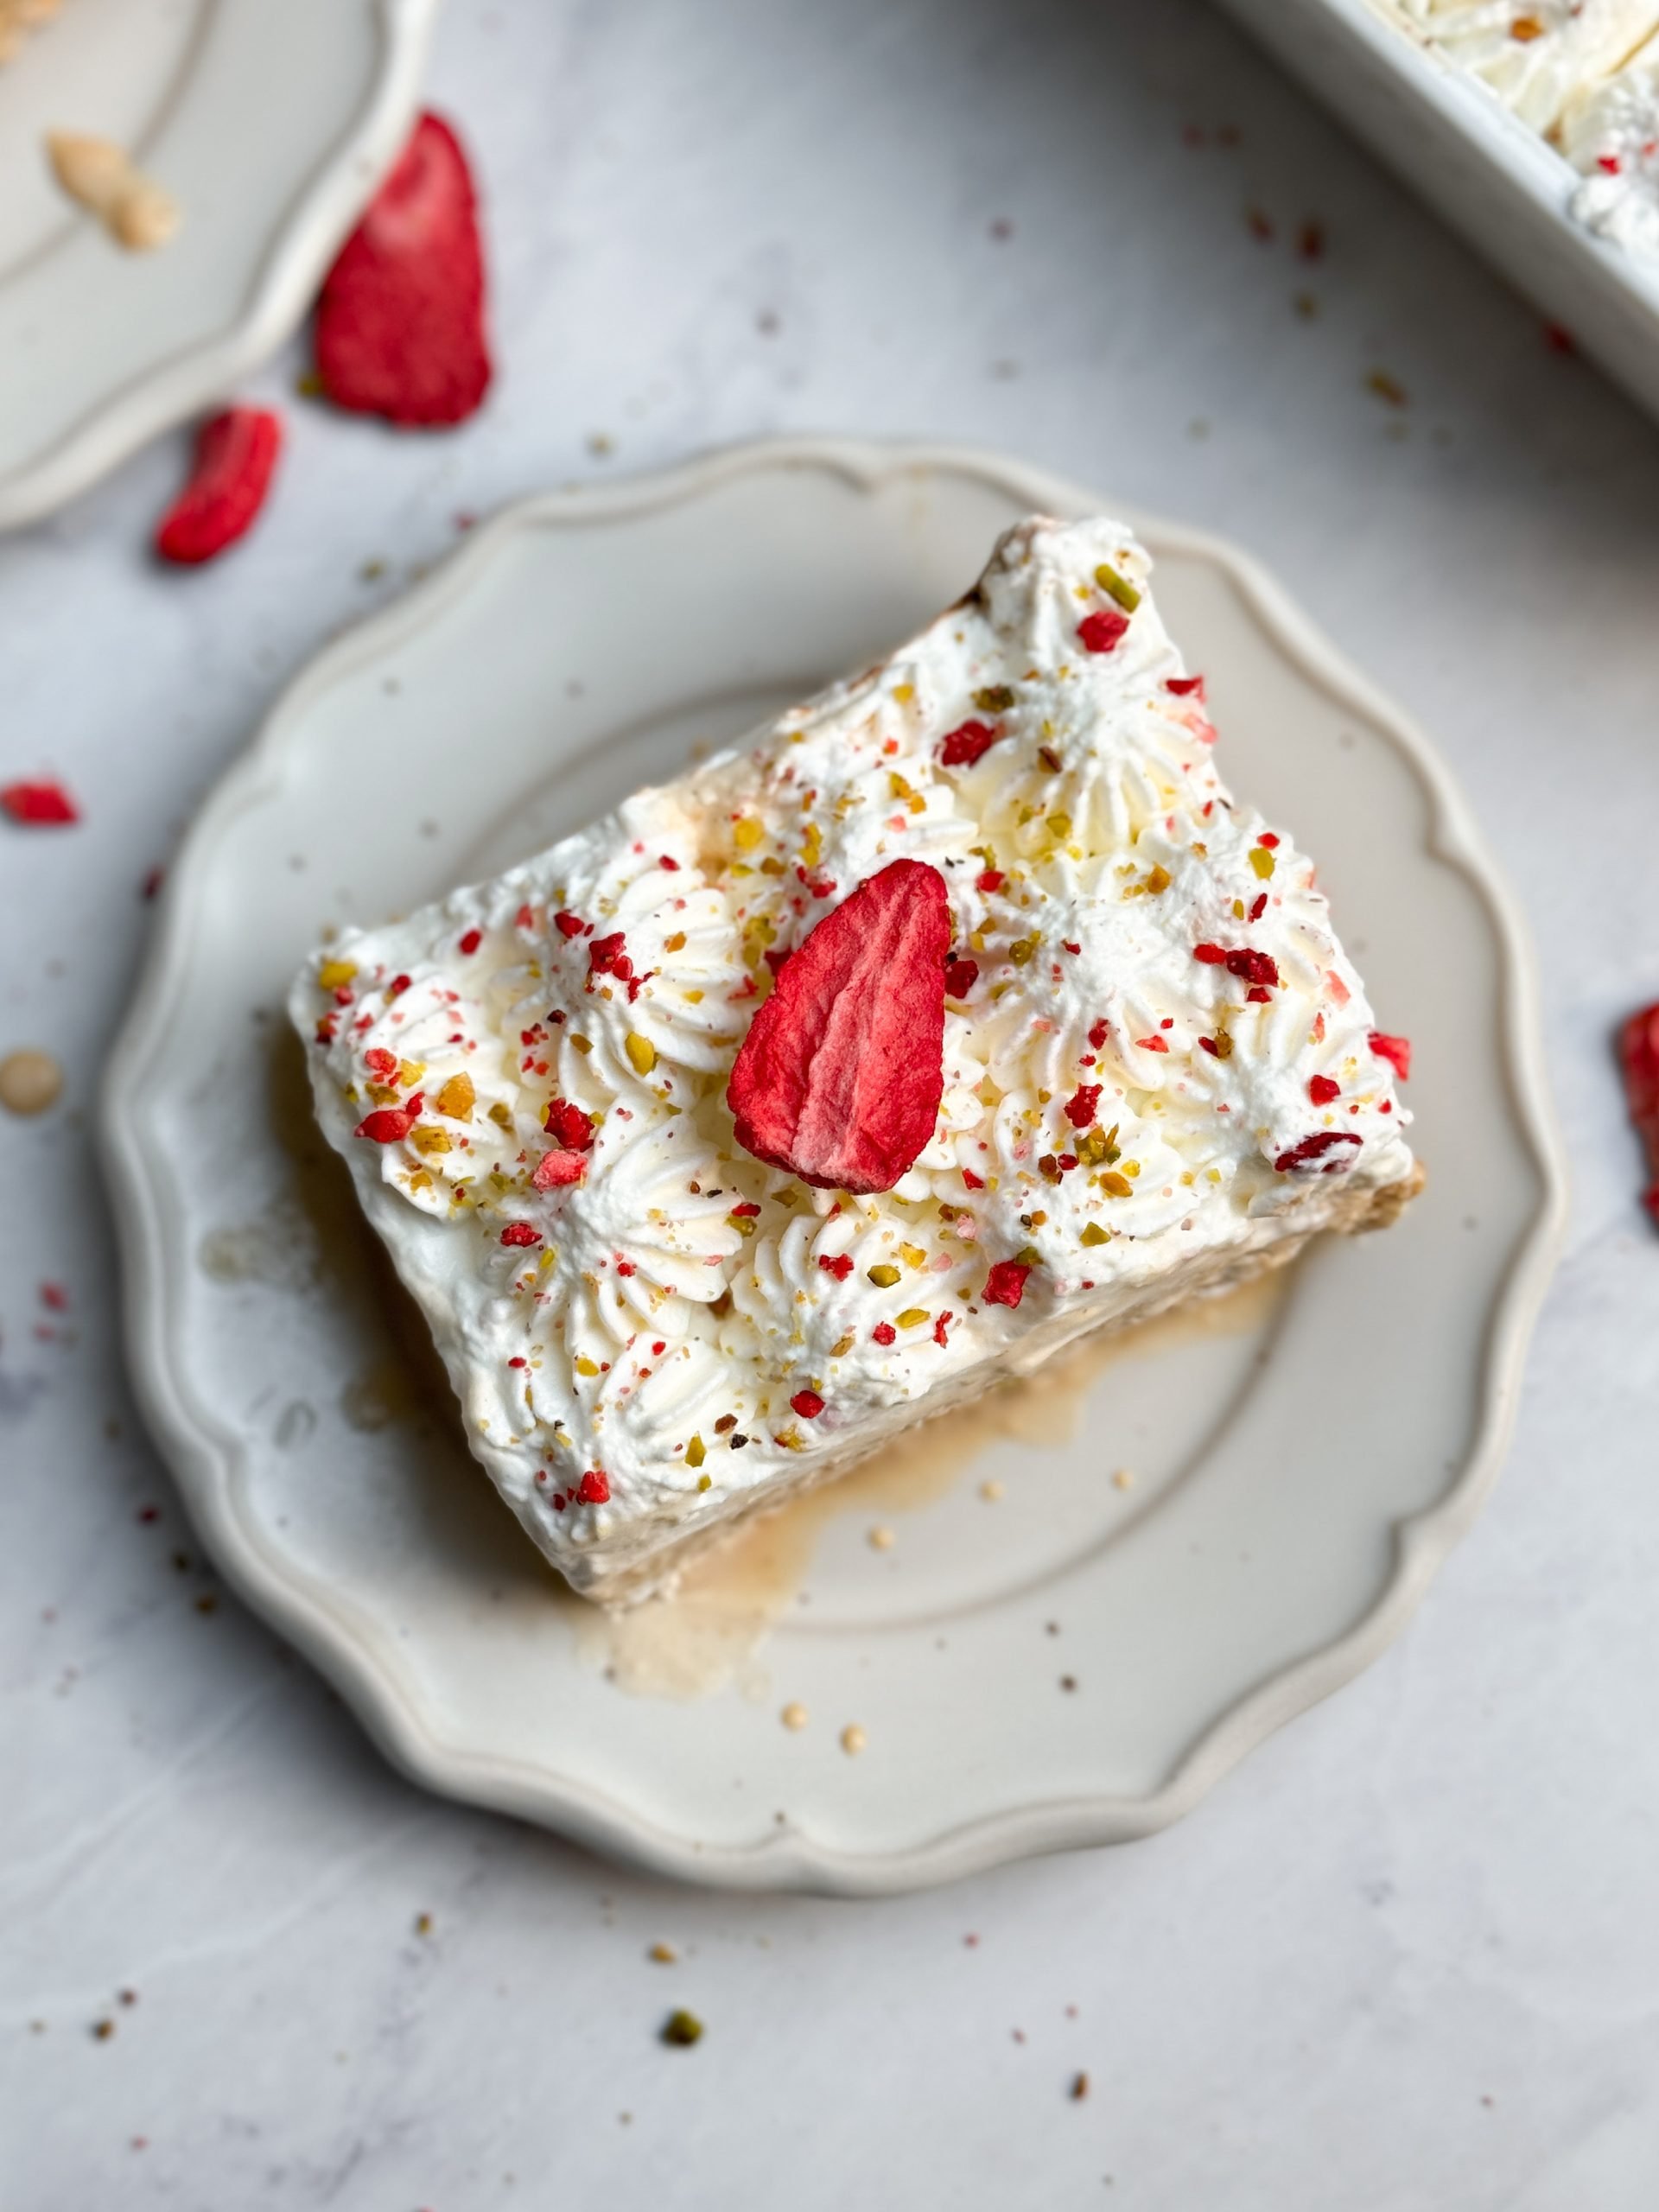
x=411, y=1736
x=293, y=258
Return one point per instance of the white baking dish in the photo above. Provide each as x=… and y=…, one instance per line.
x=1505, y=188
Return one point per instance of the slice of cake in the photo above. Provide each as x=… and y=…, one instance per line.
x=958, y=1013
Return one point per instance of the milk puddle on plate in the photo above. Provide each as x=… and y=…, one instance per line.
x=709, y=1633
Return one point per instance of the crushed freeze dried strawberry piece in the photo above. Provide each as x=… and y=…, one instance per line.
x=236, y=452
x=940, y=1323
x=469, y=944
x=973, y=1182
x=390, y=1124
x=568, y=925
x=1152, y=1044
x=838, y=1264
x=1396, y=1051
x=883, y=1332
x=807, y=1403
x=1098, y=1034
x=1257, y=967
x=1184, y=687
x=1259, y=906
x=554, y=1170
x=960, y=976
x=840, y=1077
x=39, y=806
x=1213, y=956
x=1268, y=839
x=1084, y=1104
x=1006, y=1283
x=400, y=321
x=1099, y=632
x=746, y=1212
x=573, y=1128
x=525, y=918
x=1258, y=995
x=594, y=1489
x=380, y=1062
x=608, y=956
x=1638, y=1053
x=988, y=880
x=520, y=1232
x=1313, y=1148
x=1322, y=1090
x=970, y=742
x=775, y=955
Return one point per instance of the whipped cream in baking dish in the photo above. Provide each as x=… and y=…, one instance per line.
x=1535, y=53
x=1155, y=1050
x=1611, y=131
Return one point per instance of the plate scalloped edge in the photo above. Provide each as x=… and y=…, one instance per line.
x=173, y=390
x=206, y=1463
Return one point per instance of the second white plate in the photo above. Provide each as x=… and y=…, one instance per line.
x=1072, y=1661
x=270, y=125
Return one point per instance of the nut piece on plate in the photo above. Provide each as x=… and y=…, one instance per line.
x=104, y=179
x=959, y=1013
x=18, y=18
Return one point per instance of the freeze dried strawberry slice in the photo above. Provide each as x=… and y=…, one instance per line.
x=236, y=452
x=840, y=1077
x=400, y=321
x=1638, y=1053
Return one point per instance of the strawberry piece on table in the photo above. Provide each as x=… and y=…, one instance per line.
x=39, y=805
x=1638, y=1053
x=400, y=321
x=840, y=1077
x=236, y=452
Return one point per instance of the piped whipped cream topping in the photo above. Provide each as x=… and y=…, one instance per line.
x=1535, y=53
x=1611, y=132
x=1155, y=1045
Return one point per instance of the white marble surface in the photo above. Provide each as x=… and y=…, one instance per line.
x=1409, y=1957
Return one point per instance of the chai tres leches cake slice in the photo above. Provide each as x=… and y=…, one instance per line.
x=959, y=1013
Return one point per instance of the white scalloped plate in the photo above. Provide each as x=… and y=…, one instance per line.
x=1299, y=1480
x=271, y=125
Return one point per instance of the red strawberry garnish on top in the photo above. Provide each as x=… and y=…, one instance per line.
x=840, y=1077
x=400, y=321
x=1638, y=1053
x=236, y=452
